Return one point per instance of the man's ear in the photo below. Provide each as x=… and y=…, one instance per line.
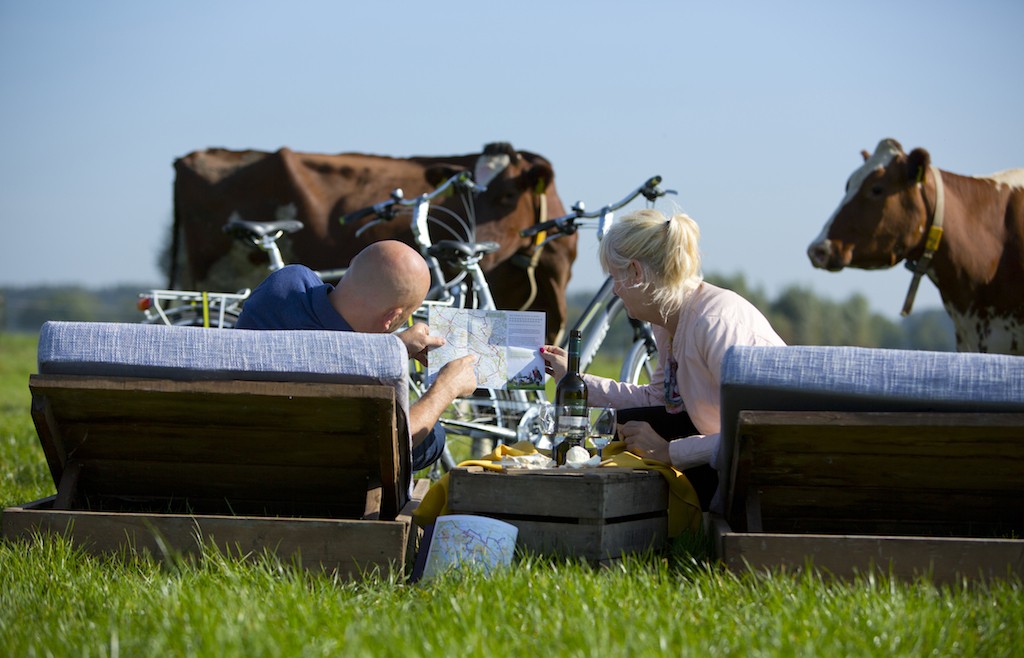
x=391, y=318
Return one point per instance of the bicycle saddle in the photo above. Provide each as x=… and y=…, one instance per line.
x=236, y=226
x=449, y=250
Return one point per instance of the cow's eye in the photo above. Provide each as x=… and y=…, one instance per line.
x=876, y=190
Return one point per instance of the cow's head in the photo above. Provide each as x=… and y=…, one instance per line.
x=515, y=182
x=883, y=216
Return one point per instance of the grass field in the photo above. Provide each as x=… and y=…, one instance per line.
x=57, y=601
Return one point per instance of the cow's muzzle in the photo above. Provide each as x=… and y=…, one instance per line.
x=825, y=255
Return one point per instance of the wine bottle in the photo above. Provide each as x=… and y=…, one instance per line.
x=571, y=403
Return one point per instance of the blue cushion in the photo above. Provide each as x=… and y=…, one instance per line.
x=816, y=378
x=194, y=353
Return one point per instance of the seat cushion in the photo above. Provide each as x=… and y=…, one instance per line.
x=194, y=353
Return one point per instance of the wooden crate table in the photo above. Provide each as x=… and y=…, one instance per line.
x=307, y=470
x=598, y=514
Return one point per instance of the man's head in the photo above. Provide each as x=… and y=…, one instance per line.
x=384, y=284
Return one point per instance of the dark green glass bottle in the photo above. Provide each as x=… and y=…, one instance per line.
x=571, y=402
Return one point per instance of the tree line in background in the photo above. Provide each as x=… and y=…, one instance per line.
x=800, y=316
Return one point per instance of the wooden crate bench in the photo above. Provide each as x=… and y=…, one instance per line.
x=598, y=514
x=851, y=460
x=314, y=471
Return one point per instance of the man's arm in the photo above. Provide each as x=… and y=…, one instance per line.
x=456, y=379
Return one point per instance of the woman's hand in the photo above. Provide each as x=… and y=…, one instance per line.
x=556, y=361
x=643, y=441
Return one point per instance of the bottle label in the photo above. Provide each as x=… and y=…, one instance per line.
x=573, y=426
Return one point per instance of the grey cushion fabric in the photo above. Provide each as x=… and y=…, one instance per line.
x=814, y=378
x=194, y=353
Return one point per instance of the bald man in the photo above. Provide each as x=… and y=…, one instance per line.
x=384, y=284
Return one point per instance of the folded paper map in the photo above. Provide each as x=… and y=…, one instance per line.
x=507, y=344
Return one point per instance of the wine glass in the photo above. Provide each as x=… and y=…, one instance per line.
x=602, y=427
x=547, y=420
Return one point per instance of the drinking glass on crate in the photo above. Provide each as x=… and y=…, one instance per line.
x=546, y=419
x=602, y=427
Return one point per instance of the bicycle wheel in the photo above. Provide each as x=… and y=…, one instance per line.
x=639, y=364
x=475, y=425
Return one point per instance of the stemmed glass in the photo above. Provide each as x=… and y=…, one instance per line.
x=547, y=420
x=602, y=427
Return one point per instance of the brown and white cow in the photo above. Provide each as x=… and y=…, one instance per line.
x=213, y=184
x=890, y=207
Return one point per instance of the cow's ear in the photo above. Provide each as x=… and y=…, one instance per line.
x=539, y=177
x=439, y=173
x=864, y=154
x=917, y=163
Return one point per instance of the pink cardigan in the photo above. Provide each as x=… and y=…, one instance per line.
x=711, y=320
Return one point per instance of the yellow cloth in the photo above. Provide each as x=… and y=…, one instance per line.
x=684, y=511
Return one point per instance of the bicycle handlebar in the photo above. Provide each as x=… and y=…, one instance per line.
x=566, y=224
x=386, y=210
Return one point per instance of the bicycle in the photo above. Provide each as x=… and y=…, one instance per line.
x=199, y=308
x=605, y=307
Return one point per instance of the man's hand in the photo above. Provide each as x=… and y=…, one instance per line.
x=643, y=441
x=457, y=378
x=418, y=340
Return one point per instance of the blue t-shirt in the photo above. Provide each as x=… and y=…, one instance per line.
x=293, y=297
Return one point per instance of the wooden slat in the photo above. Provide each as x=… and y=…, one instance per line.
x=239, y=444
x=591, y=541
x=947, y=560
x=346, y=546
x=603, y=493
x=933, y=504
x=244, y=439
x=259, y=482
x=67, y=488
x=932, y=473
x=49, y=435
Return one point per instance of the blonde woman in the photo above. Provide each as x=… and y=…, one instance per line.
x=656, y=265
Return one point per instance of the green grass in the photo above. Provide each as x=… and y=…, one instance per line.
x=23, y=472
x=56, y=600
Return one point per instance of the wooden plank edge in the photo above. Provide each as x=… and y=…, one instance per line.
x=941, y=559
x=347, y=547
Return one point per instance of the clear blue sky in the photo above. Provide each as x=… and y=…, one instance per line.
x=755, y=111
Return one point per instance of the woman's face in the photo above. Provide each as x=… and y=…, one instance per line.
x=629, y=287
